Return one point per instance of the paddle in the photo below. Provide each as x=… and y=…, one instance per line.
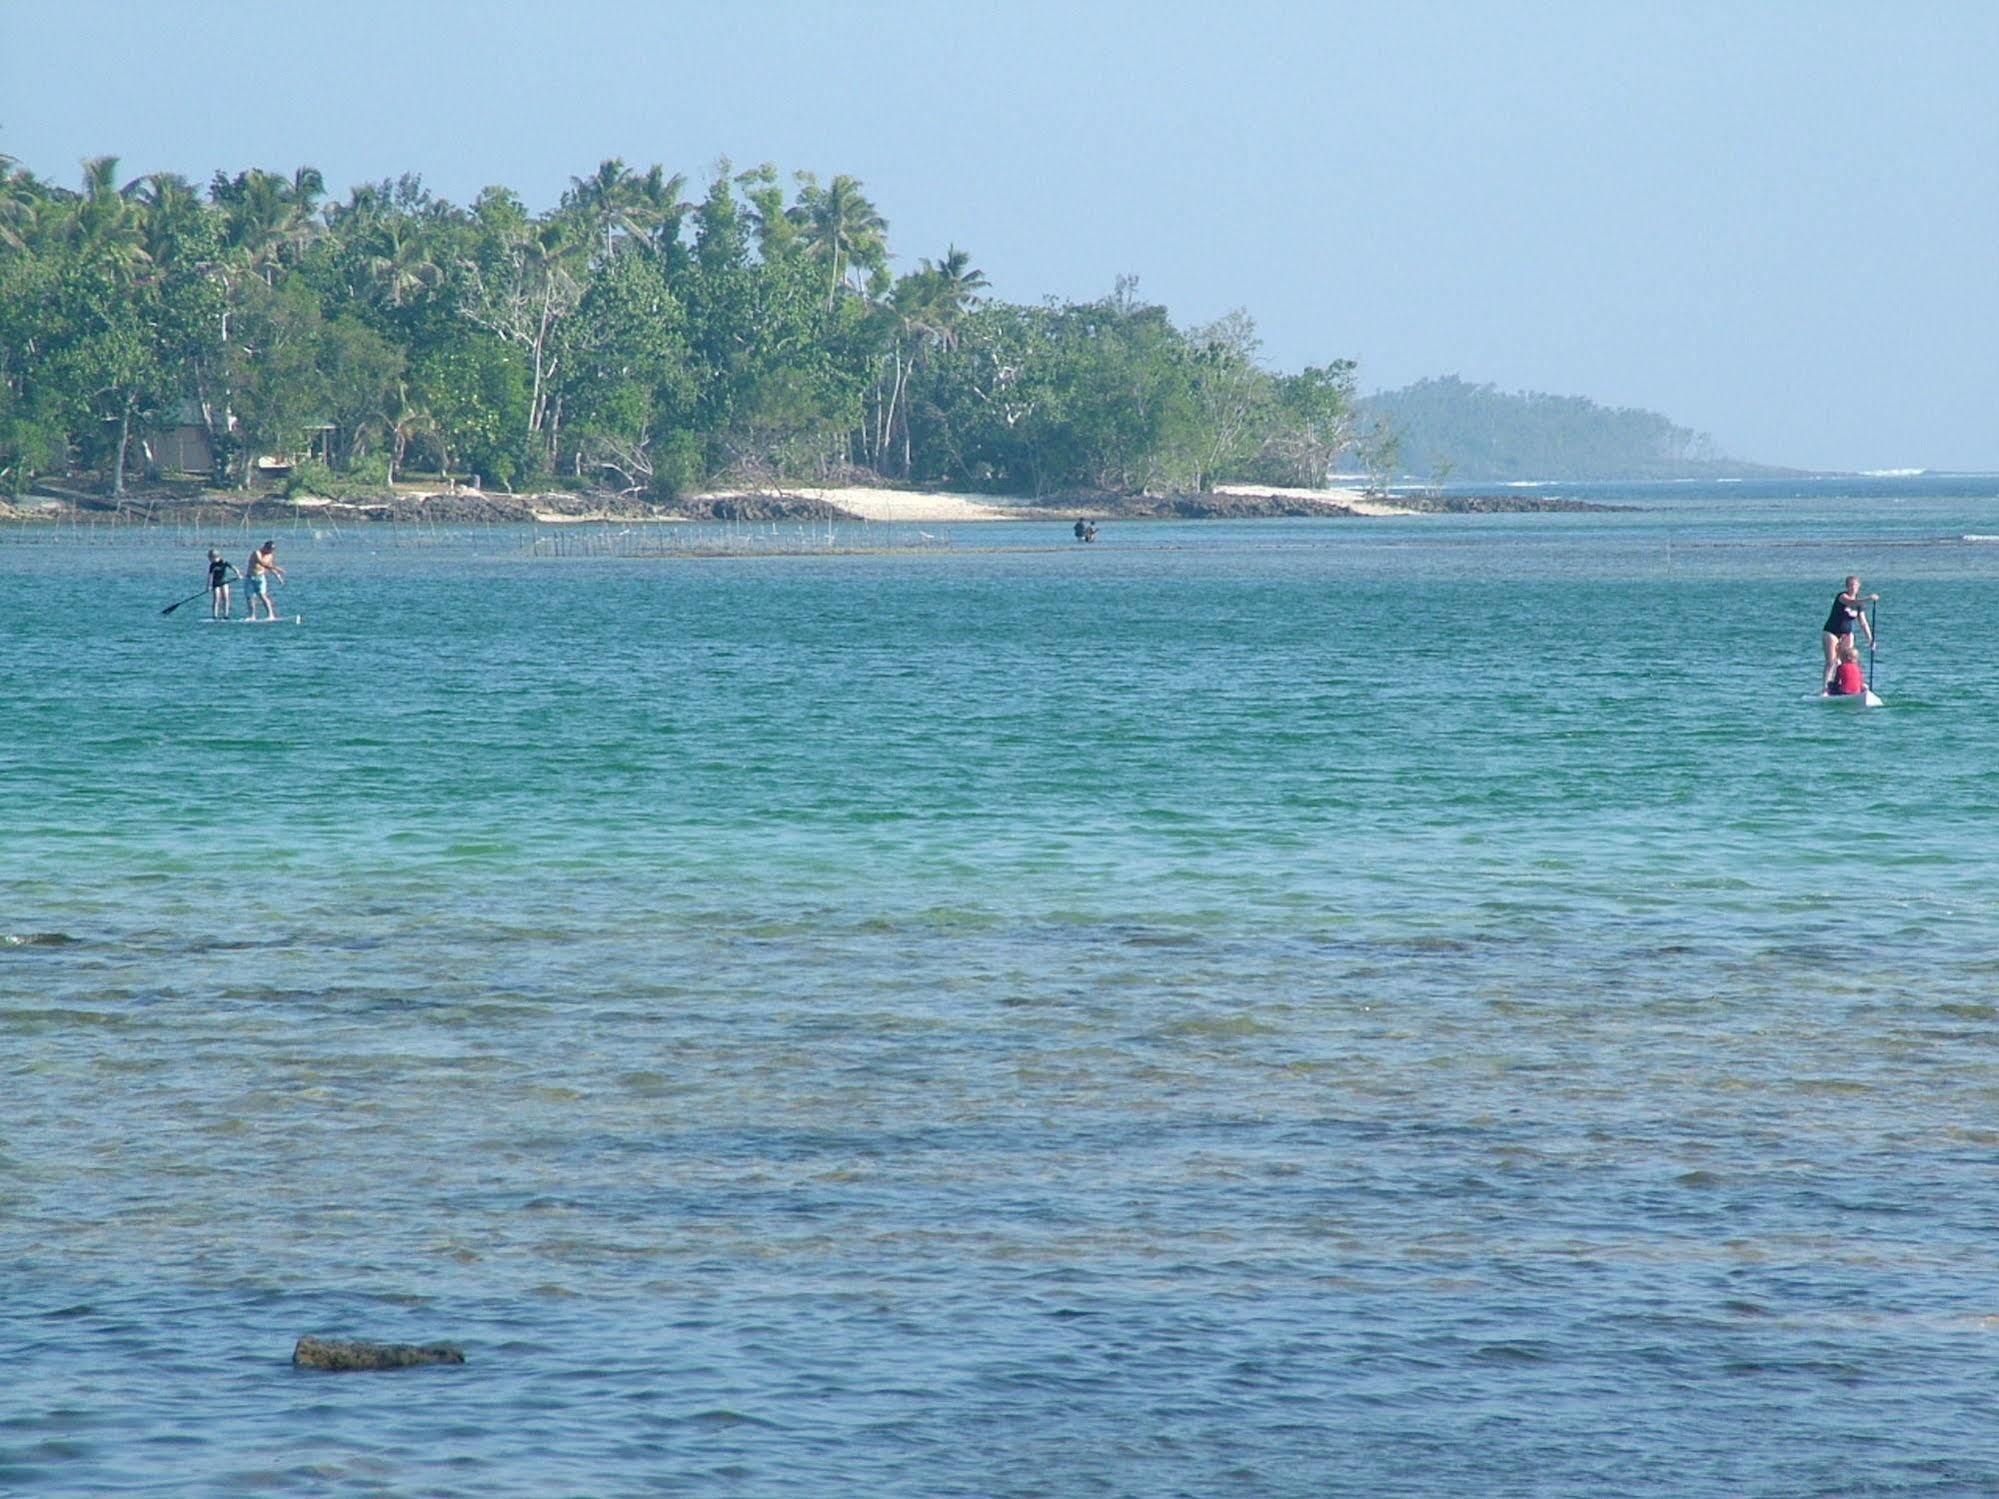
x=1873, y=634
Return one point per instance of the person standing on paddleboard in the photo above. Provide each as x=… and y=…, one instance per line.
x=219, y=573
x=263, y=567
x=1848, y=609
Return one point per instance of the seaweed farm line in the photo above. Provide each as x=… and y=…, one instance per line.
x=723, y=538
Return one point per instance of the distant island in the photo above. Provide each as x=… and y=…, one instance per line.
x=1448, y=428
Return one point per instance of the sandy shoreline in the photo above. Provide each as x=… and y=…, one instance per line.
x=868, y=503
x=943, y=506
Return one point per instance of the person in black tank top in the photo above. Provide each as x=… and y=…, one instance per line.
x=1848, y=609
x=219, y=574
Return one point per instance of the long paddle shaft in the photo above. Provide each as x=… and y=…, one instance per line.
x=1873, y=634
x=193, y=596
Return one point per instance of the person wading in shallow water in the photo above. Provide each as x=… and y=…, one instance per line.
x=1848, y=609
x=257, y=578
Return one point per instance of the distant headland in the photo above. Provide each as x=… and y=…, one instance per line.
x=1479, y=434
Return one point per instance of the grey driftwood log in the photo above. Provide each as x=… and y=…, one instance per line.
x=339, y=1353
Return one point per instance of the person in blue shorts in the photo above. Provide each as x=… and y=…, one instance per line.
x=257, y=578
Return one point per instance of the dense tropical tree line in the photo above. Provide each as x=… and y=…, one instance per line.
x=633, y=335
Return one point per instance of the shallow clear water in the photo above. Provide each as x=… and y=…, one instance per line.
x=1396, y=1007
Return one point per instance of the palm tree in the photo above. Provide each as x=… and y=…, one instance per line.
x=599, y=199
x=366, y=207
x=105, y=231
x=841, y=228
x=302, y=197
x=268, y=215
x=24, y=200
x=169, y=209
x=409, y=421
x=256, y=217
x=103, y=224
x=308, y=187
x=955, y=285
x=928, y=304
x=400, y=263
x=615, y=200
x=656, y=207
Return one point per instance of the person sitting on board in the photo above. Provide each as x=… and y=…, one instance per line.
x=219, y=573
x=263, y=566
x=1846, y=677
x=1848, y=609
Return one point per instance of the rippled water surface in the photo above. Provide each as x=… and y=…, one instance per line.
x=1415, y=1007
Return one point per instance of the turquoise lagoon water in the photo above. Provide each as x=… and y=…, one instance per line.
x=1397, y=1007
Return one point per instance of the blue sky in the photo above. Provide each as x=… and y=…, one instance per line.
x=1772, y=222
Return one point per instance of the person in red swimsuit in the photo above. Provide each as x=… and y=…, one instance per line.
x=1846, y=678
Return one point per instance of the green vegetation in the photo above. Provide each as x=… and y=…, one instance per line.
x=631, y=337
x=1448, y=428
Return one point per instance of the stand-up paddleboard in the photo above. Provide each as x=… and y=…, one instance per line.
x=282, y=619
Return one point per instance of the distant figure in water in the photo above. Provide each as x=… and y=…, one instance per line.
x=219, y=573
x=257, y=578
x=1086, y=530
x=1848, y=609
x=1846, y=677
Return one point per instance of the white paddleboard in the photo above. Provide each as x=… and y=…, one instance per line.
x=282, y=619
x=1864, y=698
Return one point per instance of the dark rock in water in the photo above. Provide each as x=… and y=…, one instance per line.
x=755, y=507
x=1215, y=506
x=338, y=1353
